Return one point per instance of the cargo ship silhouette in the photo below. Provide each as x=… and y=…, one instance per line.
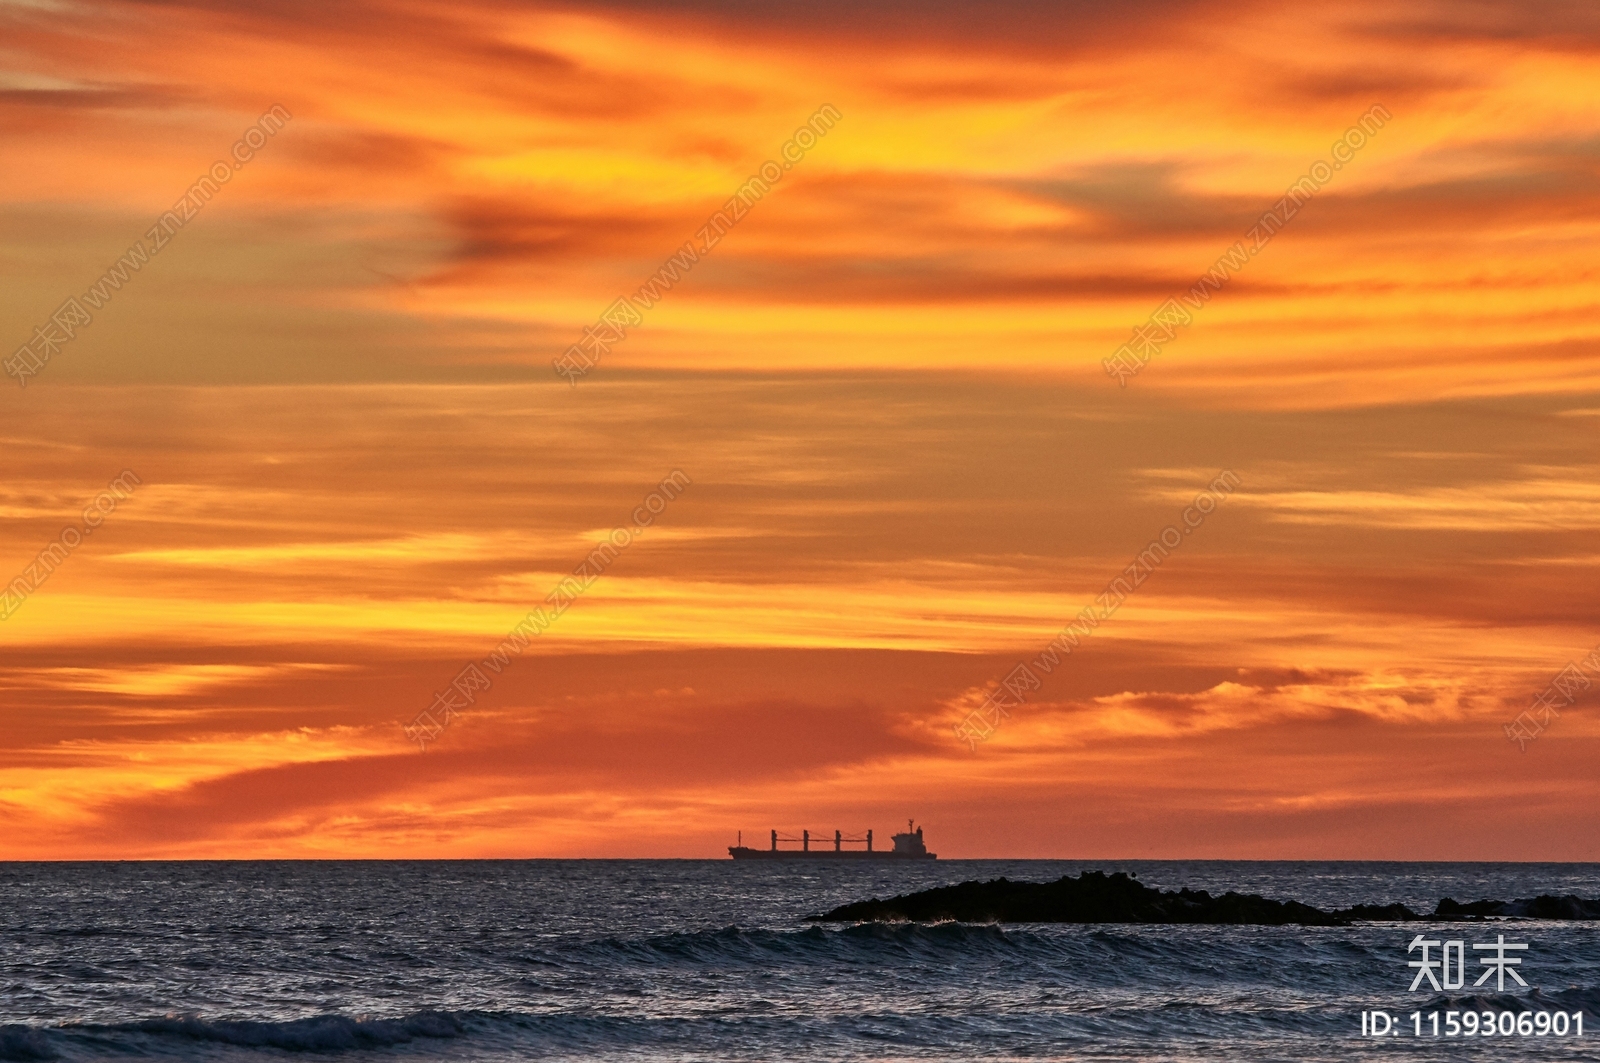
x=907, y=846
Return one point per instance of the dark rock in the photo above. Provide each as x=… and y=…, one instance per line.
x=1543, y=906
x=1377, y=913
x=1095, y=897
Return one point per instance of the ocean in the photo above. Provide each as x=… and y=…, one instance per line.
x=713, y=960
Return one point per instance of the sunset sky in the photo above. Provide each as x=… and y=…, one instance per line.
x=909, y=468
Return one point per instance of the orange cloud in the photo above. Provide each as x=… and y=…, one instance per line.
x=910, y=468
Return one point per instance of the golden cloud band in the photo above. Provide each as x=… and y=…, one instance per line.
x=981, y=722
x=611, y=329
x=53, y=556
x=470, y=681
x=1126, y=361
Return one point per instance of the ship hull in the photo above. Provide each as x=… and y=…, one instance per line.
x=739, y=852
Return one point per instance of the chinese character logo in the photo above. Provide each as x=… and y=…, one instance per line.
x=1500, y=966
x=1452, y=962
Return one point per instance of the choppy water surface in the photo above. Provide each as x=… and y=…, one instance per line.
x=690, y=960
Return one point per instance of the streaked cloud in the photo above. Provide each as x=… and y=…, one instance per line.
x=909, y=468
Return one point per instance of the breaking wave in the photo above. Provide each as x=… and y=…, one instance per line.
x=172, y=1033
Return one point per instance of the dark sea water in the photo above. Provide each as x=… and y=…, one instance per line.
x=710, y=960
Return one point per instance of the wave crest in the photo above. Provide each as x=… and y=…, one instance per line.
x=24, y=1044
x=320, y=1033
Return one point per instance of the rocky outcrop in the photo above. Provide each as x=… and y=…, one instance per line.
x=1096, y=897
x=1543, y=906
